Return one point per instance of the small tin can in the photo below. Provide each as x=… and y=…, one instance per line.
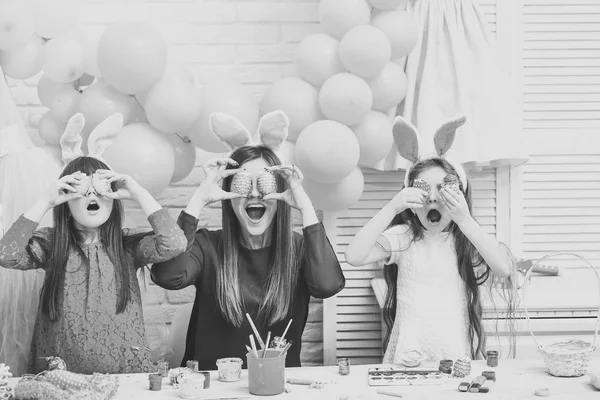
x=163, y=368
x=343, y=366
x=155, y=382
x=192, y=364
x=446, y=366
x=492, y=358
x=206, y=379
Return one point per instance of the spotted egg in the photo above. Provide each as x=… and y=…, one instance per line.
x=241, y=183
x=267, y=183
x=422, y=184
x=101, y=186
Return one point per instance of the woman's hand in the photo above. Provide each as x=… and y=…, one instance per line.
x=65, y=189
x=456, y=204
x=409, y=197
x=210, y=190
x=127, y=187
x=294, y=195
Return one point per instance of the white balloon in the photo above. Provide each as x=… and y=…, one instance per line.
x=53, y=17
x=16, y=25
x=24, y=62
x=339, y=16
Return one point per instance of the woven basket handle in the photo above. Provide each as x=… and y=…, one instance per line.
x=528, y=275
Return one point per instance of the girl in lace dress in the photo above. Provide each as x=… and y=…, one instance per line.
x=90, y=310
x=441, y=252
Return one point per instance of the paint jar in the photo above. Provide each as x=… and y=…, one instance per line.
x=192, y=364
x=155, y=382
x=343, y=366
x=230, y=369
x=191, y=386
x=163, y=368
x=492, y=358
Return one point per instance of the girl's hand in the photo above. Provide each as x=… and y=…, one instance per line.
x=65, y=190
x=127, y=187
x=294, y=195
x=210, y=190
x=456, y=204
x=409, y=197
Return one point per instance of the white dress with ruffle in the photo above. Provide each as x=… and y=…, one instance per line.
x=432, y=313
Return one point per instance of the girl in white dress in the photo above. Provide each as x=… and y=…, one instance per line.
x=441, y=252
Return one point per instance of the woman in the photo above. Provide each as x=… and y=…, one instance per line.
x=256, y=264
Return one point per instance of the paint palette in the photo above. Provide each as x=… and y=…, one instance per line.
x=394, y=376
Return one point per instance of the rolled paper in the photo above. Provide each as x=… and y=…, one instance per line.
x=476, y=384
x=389, y=392
x=487, y=385
x=464, y=387
x=294, y=381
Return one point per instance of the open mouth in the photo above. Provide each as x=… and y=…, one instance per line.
x=434, y=216
x=93, y=206
x=255, y=211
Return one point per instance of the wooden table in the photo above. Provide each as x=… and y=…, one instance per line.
x=516, y=379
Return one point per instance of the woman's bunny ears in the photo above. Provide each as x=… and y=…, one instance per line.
x=406, y=137
x=272, y=130
x=100, y=138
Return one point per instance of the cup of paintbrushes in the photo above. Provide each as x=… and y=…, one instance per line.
x=266, y=373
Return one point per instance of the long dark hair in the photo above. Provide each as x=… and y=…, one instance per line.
x=283, y=265
x=64, y=237
x=468, y=258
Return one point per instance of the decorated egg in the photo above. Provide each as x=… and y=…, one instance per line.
x=241, y=183
x=422, y=184
x=267, y=183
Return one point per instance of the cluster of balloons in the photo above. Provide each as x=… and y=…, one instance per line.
x=351, y=79
x=123, y=68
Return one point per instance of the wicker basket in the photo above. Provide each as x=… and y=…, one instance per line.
x=571, y=357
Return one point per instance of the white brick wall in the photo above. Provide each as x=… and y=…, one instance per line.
x=252, y=40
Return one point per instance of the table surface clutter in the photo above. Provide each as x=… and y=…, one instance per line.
x=515, y=379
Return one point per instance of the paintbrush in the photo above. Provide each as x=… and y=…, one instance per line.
x=258, y=338
x=253, y=345
x=267, y=346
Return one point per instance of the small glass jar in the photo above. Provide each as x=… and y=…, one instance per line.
x=155, y=382
x=230, y=369
x=492, y=358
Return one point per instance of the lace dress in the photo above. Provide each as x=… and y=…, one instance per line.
x=89, y=335
x=431, y=314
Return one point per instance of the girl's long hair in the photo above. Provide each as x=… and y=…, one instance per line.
x=64, y=238
x=283, y=265
x=468, y=258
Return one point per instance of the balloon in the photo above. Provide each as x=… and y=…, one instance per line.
x=287, y=152
x=51, y=128
x=388, y=87
x=184, y=152
x=132, y=56
x=401, y=29
x=226, y=96
x=99, y=101
x=63, y=59
x=345, y=98
x=172, y=105
x=89, y=40
x=337, y=196
x=16, y=25
x=143, y=153
x=55, y=17
x=298, y=99
x=47, y=89
x=327, y=151
x=339, y=16
x=180, y=71
x=24, y=62
x=386, y=4
x=374, y=135
x=317, y=58
x=65, y=104
x=365, y=50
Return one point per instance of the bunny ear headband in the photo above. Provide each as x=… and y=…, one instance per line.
x=406, y=137
x=272, y=130
x=100, y=138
